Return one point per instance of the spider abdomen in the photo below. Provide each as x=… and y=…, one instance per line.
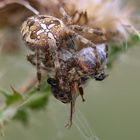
x=38, y=29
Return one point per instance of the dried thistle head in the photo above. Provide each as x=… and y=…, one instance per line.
x=108, y=15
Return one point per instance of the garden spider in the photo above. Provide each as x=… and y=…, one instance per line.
x=67, y=84
x=45, y=34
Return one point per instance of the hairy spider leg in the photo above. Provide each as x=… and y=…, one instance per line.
x=53, y=49
x=66, y=17
x=32, y=59
x=75, y=18
x=87, y=29
x=38, y=63
x=78, y=16
x=87, y=43
x=106, y=49
x=68, y=20
x=71, y=44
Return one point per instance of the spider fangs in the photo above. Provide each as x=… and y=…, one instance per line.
x=74, y=72
x=45, y=35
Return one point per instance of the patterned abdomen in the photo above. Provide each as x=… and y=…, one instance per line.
x=37, y=30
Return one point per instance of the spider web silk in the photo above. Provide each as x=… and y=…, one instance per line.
x=83, y=127
x=80, y=123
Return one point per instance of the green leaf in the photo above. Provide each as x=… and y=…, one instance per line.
x=22, y=116
x=13, y=98
x=135, y=39
x=37, y=101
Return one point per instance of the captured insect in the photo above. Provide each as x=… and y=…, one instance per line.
x=74, y=72
x=45, y=35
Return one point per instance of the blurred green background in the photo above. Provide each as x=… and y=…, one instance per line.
x=111, y=108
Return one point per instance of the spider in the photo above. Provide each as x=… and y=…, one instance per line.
x=45, y=35
x=74, y=72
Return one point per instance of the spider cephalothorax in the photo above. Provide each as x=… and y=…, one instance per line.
x=47, y=34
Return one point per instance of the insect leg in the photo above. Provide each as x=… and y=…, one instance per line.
x=81, y=91
x=69, y=123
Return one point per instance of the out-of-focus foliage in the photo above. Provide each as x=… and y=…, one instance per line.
x=116, y=49
x=17, y=105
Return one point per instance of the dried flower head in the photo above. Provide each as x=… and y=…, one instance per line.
x=113, y=18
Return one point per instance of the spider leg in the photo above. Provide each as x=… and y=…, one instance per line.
x=66, y=17
x=87, y=43
x=88, y=30
x=38, y=63
x=54, y=52
x=106, y=49
x=70, y=43
x=80, y=17
x=31, y=58
x=81, y=91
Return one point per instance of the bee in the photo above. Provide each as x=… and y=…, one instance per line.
x=65, y=96
x=45, y=35
x=73, y=74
